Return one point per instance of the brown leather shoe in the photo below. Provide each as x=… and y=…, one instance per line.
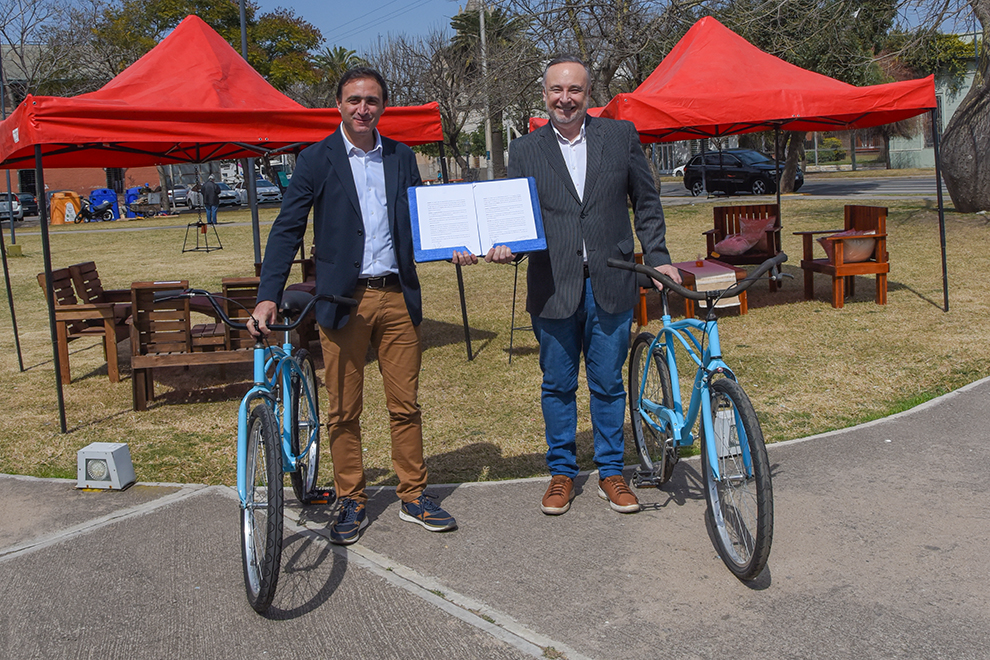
x=620, y=498
x=557, y=499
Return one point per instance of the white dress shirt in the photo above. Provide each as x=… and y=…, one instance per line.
x=369, y=180
x=576, y=158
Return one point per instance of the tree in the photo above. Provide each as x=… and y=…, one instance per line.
x=329, y=65
x=494, y=73
x=966, y=141
x=33, y=63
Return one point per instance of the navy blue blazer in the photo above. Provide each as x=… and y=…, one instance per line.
x=323, y=182
x=617, y=173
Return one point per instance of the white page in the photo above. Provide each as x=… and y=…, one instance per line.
x=505, y=212
x=447, y=217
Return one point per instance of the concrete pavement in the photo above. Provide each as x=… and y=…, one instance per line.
x=878, y=553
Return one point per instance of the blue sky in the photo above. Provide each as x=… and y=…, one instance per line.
x=356, y=24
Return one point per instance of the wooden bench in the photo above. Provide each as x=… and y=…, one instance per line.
x=728, y=221
x=89, y=288
x=74, y=320
x=162, y=336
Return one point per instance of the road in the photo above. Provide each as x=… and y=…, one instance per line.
x=897, y=186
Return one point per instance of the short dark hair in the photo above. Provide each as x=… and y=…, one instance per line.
x=567, y=57
x=362, y=72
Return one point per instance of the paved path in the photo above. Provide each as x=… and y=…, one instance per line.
x=878, y=553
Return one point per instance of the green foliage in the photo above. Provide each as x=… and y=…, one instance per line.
x=280, y=49
x=830, y=149
x=932, y=52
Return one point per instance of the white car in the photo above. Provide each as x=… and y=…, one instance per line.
x=679, y=171
x=265, y=191
x=228, y=197
x=6, y=199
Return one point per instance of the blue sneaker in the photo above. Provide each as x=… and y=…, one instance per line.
x=427, y=513
x=350, y=521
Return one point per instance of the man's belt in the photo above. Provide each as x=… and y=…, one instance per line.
x=379, y=282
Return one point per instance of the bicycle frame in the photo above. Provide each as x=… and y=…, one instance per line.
x=710, y=363
x=277, y=361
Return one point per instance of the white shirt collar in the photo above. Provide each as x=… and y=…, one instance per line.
x=350, y=147
x=579, y=139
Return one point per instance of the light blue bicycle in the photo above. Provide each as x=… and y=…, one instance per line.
x=734, y=464
x=278, y=433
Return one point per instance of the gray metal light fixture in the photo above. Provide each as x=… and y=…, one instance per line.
x=104, y=465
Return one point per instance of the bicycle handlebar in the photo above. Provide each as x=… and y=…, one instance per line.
x=297, y=298
x=714, y=294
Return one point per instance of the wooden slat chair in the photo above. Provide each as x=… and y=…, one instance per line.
x=728, y=221
x=162, y=336
x=239, y=297
x=157, y=328
x=74, y=319
x=89, y=288
x=861, y=218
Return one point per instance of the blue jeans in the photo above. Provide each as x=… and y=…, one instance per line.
x=604, y=340
x=211, y=215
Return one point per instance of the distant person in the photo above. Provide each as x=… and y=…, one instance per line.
x=587, y=169
x=355, y=182
x=211, y=200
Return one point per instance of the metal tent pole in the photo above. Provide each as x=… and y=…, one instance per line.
x=13, y=235
x=941, y=209
x=47, y=251
x=248, y=163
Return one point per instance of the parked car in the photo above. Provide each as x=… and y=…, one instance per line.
x=179, y=196
x=679, y=170
x=29, y=203
x=266, y=192
x=228, y=196
x=8, y=202
x=735, y=170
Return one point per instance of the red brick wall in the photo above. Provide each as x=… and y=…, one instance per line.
x=85, y=180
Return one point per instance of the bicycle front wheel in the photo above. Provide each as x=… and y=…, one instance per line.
x=657, y=454
x=261, y=515
x=740, y=501
x=305, y=422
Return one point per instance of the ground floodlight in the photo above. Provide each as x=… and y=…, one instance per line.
x=104, y=465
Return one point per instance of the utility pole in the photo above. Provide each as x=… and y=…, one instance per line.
x=484, y=81
x=248, y=163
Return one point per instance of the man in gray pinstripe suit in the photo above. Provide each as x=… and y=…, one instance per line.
x=586, y=169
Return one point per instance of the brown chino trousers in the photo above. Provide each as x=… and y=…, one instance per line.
x=382, y=321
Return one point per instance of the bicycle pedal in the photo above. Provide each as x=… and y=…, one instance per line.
x=320, y=496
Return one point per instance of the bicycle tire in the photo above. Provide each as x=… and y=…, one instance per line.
x=740, y=507
x=656, y=450
x=261, y=519
x=308, y=466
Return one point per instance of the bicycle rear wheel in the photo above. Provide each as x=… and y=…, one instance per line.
x=657, y=454
x=261, y=517
x=304, y=422
x=740, y=502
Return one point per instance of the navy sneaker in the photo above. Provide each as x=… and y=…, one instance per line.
x=427, y=513
x=350, y=521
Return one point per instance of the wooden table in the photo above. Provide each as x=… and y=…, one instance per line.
x=688, y=269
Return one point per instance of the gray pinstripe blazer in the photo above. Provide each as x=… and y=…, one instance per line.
x=617, y=171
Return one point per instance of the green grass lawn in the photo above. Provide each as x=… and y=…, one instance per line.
x=808, y=368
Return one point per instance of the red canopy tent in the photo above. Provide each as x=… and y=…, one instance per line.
x=715, y=83
x=190, y=99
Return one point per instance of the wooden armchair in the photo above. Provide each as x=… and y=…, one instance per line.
x=89, y=288
x=157, y=328
x=860, y=218
x=729, y=220
x=74, y=320
x=239, y=296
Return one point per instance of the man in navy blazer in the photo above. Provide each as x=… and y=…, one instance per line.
x=586, y=170
x=356, y=181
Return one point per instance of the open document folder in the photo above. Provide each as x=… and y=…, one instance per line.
x=473, y=217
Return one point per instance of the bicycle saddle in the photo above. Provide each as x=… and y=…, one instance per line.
x=293, y=303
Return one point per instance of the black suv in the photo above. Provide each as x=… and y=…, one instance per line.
x=734, y=170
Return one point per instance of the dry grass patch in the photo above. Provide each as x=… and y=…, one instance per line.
x=807, y=367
